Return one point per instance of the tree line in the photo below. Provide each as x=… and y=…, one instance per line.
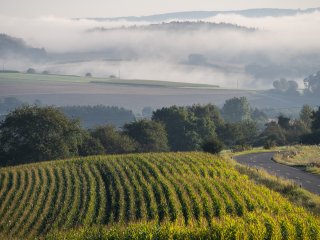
x=33, y=133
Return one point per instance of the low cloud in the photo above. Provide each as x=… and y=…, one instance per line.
x=279, y=47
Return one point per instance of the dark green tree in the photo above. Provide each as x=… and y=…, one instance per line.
x=205, y=118
x=272, y=135
x=113, y=141
x=314, y=136
x=241, y=134
x=188, y=127
x=315, y=126
x=90, y=146
x=284, y=122
x=180, y=128
x=212, y=145
x=236, y=110
x=32, y=134
x=306, y=116
x=151, y=136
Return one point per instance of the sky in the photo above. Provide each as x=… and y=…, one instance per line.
x=117, y=8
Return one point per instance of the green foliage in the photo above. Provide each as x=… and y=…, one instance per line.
x=177, y=124
x=238, y=134
x=236, y=110
x=311, y=138
x=315, y=126
x=31, y=134
x=212, y=145
x=259, y=117
x=90, y=146
x=272, y=135
x=284, y=122
x=306, y=116
x=150, y=135
x=113, y=141
x=314, y=136
x=188, y=127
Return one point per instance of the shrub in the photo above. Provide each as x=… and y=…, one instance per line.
x=212, y=145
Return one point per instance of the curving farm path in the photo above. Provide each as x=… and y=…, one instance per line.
x=309, y=181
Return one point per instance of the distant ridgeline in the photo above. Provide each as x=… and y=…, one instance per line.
x=186, y=26
x=91, y=116
x=201, y=15
x=16, y=47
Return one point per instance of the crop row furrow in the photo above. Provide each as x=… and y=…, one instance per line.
x=29, y=208
x=13, y=198
x=147, y=193
x=11, y=185
x=40, y=203
x=106, y=179
x=167, y=188
x=75, y=203
x=85, y=195
x=139, y=212
x=18, y=211
x=68, y=199
x=50, y=203
x=46, y=195
x=100, y=205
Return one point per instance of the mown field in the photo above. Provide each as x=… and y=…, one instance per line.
x=145, y=196
x=307, y=157
x=34, y=78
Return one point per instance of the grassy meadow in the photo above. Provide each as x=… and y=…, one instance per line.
x=307, y=157
x=53, y=78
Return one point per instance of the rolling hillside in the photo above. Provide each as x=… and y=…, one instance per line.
x=162, y=195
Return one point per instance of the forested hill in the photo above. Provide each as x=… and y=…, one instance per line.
x=16, y=47
x=199, y=15
x=187, y=26
x=92, y=116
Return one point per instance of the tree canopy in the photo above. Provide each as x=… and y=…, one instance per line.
x=151, y=136
x=236, y=110
x=31, y=134
x=113, y=140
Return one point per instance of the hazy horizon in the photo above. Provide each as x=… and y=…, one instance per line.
x=280, y=46
x=121, y=8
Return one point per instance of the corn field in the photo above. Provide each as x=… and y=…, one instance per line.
x=145, y=196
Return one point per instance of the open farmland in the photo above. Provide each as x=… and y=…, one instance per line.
x=160, y=195
x=62, y=90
